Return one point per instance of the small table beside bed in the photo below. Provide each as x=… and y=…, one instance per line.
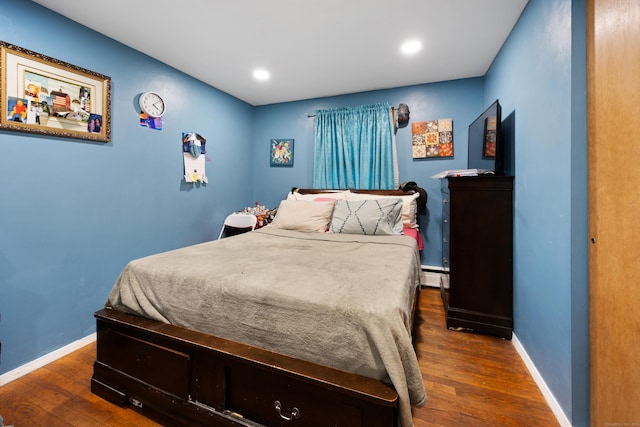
x=307, y=321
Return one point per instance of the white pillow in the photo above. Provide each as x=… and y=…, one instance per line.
x=369, y=216
x=409, y=205
x=327, y=195
x=303, y=215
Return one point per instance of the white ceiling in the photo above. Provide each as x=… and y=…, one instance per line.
x=311, y=49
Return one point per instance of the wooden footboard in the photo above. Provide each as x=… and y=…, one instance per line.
x=183, y=377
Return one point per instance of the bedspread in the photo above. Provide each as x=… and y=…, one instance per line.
x=340, y=300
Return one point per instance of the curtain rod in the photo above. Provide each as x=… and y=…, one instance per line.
x=313, y=115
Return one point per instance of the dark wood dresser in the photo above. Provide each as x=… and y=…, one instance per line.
x=477, y=248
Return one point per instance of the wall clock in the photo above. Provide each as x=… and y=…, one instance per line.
x=152, y=104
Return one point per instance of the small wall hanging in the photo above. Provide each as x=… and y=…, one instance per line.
x=403, y=115
x=193, y=153
x=44, y=95
x=281, y=152
x=433, y=138
x=150, y=122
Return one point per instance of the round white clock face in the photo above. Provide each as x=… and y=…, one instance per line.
x=152, y=104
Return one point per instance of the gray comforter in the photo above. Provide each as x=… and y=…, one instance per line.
x=340, y=300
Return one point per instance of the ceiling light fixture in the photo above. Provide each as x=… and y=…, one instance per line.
x=410, y=47
x=261, y=74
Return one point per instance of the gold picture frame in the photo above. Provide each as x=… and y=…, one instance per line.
x=43, y=95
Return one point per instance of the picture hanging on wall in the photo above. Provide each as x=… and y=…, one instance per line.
x=43, y=95
x=150, y=122
x=281, y=152
x=432, y=139
x=193, y=155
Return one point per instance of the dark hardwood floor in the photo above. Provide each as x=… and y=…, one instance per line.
x=471, y=380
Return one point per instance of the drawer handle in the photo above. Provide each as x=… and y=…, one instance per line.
x=295, y=412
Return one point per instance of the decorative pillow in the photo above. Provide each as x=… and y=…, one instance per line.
x=370, y=216
x=325, y=199
x=303, y=215
x=409, y=205
x=341, y=194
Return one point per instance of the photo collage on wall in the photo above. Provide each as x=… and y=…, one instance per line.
x=432, y=138
x=46, y=97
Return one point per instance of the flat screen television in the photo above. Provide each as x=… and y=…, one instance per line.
x=486, y=145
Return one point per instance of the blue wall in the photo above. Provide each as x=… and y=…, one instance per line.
x=73, y=212
x=461, y=100
x=540, y=77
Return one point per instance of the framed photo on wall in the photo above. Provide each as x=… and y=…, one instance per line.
x=43, y=95
x=282, y=152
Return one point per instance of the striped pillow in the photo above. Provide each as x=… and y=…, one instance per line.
x=370, y=216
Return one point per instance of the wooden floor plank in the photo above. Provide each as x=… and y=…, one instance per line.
x=471, y=380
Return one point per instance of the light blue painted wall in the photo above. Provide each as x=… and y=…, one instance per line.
x=461, y=100
x=580, y=358
x=72, y=213
x=540, y=78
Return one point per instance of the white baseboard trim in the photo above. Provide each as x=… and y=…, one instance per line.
x=46, y=359
x=430, y=276
x=542, y=385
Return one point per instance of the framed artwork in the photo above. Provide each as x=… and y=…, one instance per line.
x=43, y=95
x=281, y=152
x=432, y=139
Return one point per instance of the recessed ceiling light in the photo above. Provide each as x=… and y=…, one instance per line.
x=261, y=74
x=411, y=47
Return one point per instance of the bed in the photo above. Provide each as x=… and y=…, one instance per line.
x=303, y=322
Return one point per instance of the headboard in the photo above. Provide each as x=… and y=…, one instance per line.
x=376, y=192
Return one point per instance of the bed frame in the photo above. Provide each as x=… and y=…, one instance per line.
x=180, y=377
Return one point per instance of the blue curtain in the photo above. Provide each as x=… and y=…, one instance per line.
x=354, y=148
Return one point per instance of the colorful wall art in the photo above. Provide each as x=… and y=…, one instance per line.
x=281, y=152
x=432, y=138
